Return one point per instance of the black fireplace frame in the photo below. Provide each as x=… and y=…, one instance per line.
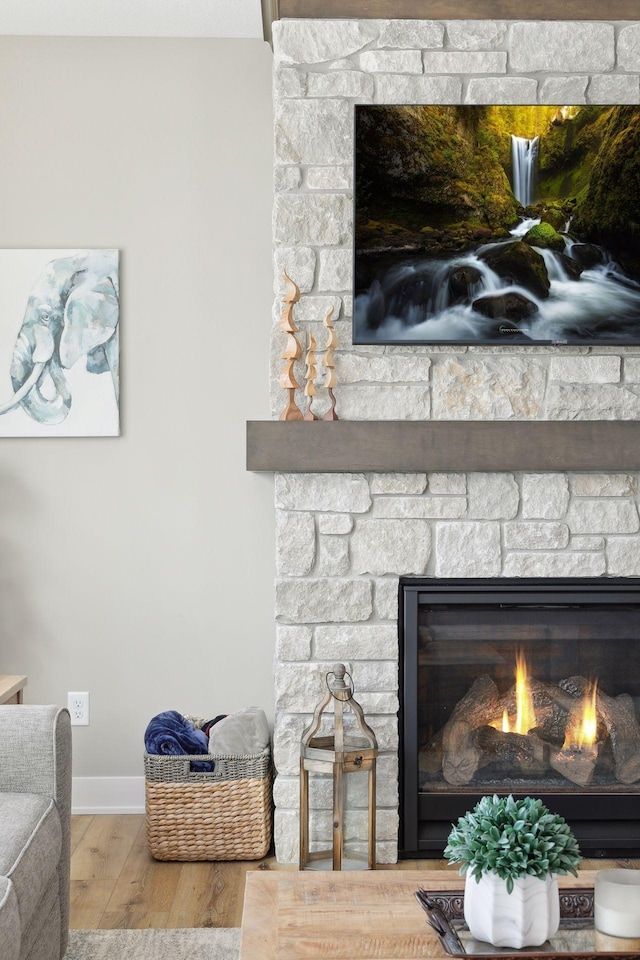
x=606, y=825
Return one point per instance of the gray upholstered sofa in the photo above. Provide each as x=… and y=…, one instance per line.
x=35, y=819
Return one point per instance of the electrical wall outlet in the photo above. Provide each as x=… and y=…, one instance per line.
x=78, y=704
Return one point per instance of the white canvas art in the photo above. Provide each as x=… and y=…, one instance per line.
x=59, y=343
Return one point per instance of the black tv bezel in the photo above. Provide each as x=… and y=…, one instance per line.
x=461, y=343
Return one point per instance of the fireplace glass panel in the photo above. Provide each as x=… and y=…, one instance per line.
x=566, y=730
x=567, y=721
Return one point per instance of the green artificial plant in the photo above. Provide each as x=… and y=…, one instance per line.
x=512, y=838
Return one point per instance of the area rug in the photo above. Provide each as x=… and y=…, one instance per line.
x=193, y=944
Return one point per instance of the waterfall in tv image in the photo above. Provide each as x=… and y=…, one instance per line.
x=523, y=164
x=497, y=224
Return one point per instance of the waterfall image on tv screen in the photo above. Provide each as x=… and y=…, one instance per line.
x=497, y=224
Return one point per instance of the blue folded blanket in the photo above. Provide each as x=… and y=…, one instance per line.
x=170, y=734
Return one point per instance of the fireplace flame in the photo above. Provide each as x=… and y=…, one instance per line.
x=525, y=718
x=582, y=728
x=589, y=725
x=525, y=713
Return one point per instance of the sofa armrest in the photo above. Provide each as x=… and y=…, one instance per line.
x=35, y=751
x=35, y=757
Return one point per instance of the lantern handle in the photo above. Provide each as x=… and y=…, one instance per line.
x=339, y=672
x=352, y=686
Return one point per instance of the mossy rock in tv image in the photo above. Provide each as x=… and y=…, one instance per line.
x=497, y=224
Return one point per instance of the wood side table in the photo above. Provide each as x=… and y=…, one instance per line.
x=11, y=689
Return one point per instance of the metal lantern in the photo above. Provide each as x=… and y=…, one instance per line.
x=339, y=754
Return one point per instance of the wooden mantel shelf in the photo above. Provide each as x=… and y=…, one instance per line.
x=461, y=10
x=455, y=445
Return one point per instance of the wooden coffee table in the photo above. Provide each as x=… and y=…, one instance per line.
x=345, y=916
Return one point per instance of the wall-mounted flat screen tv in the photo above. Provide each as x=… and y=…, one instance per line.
x=497, y=224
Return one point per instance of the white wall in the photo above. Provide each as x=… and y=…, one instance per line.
x=141, y=568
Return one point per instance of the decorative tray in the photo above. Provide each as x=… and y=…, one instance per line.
x=576, y=936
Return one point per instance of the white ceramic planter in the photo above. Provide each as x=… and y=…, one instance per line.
x=526, y=917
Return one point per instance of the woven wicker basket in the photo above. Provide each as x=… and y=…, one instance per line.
x=224, y=815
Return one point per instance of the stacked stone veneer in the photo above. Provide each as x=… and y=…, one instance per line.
x=343, y=540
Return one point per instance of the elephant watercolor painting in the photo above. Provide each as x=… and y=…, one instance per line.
x=59, y=343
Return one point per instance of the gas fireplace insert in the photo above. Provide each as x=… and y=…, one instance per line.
x=530, y=687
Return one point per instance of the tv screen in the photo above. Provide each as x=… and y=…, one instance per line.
x=497, y=224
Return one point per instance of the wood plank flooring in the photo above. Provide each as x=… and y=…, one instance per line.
x=116, y=883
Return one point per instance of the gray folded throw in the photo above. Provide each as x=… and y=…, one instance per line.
x=245, y=733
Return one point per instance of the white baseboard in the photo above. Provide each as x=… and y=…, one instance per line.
x=107, y=795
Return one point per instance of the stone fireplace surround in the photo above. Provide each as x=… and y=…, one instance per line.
x=343, y=540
